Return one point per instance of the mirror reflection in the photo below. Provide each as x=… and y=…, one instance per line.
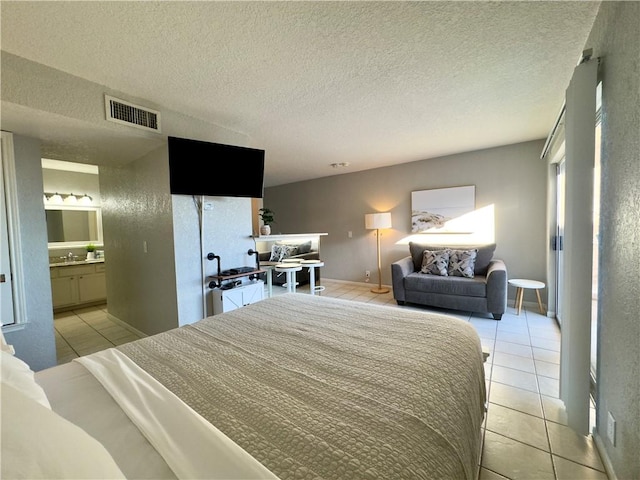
x=78, y=226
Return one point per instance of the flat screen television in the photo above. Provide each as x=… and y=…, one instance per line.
x=214, y=169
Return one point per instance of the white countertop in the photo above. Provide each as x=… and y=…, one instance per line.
x=76, y=262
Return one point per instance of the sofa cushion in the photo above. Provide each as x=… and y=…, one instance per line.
x=469, y=287
x=304, y=247
x=301, y=248
x=483, y=258
x=435, y=262
x=462, y=263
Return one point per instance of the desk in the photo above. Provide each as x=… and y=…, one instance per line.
x=521, y=284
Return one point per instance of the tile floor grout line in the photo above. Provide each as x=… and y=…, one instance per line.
x=488, y=399
x=544, y=414
x=84, y=326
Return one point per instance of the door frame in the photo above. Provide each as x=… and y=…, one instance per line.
x=10, y=203
x=559, y=239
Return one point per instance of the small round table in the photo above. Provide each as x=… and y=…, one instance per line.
x=290, y=269
x=521, y=284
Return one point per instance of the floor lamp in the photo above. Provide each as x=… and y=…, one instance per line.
x=378, y=221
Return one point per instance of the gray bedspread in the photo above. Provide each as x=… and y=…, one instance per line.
x=315, y=387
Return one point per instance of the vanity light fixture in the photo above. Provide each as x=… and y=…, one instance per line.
x=53, y=197
x=69, y=199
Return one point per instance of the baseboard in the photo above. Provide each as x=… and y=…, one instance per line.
x=526, y=305
x=608, y=467
x=359, y=284
x=126, y=326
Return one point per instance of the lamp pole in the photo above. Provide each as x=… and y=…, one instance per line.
x=379, y=289
x=378, y=221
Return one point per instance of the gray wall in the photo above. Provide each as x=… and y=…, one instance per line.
x=163, y=288
x=78, y=183
x=226, y=233
x=615, y=38
x=512, y=178
x=136, y=208
x=35, y=343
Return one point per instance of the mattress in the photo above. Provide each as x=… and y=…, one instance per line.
x=300, y=386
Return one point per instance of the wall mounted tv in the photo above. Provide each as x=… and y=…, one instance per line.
x=215, y=169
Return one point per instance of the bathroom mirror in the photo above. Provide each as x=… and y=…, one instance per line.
x=69, y=226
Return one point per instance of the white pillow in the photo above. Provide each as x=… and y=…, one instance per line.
x=16, y=373
x=37, y=443
x=4, y=346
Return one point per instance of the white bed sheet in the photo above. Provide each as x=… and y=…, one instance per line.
x=76, y=395
x=191, y=446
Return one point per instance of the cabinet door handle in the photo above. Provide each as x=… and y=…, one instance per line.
x=3, y=279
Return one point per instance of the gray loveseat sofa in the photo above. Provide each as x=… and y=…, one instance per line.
x=485, y=292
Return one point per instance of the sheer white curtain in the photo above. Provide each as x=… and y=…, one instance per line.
x=580, y=120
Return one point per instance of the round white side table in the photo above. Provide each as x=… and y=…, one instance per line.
x=290, y=269
x=521, y=284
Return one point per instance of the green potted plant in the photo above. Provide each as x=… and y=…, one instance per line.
x=266, y=215
x=91, y=251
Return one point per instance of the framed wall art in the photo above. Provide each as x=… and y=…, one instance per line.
x=433, y=210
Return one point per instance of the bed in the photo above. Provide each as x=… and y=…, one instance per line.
x=292, y=387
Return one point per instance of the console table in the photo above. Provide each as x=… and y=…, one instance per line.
x=237, y=297
x=227, y=299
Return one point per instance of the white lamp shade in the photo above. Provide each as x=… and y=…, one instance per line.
x=373, y=221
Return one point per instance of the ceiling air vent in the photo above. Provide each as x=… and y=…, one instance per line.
x=126, y=113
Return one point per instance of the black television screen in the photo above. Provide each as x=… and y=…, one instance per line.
x=215, y=169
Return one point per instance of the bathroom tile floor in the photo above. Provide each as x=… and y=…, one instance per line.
x=525, y=431
x=87, y=330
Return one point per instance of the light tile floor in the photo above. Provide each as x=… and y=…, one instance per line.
x=87, y=330
x=525, y=431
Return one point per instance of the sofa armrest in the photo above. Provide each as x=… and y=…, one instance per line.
x=497, y=287
x=399, y=270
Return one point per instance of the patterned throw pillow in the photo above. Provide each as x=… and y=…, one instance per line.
x=434, y=262
x=280, y=252
x=462, y=262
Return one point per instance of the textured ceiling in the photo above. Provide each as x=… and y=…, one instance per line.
x=315, y=83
